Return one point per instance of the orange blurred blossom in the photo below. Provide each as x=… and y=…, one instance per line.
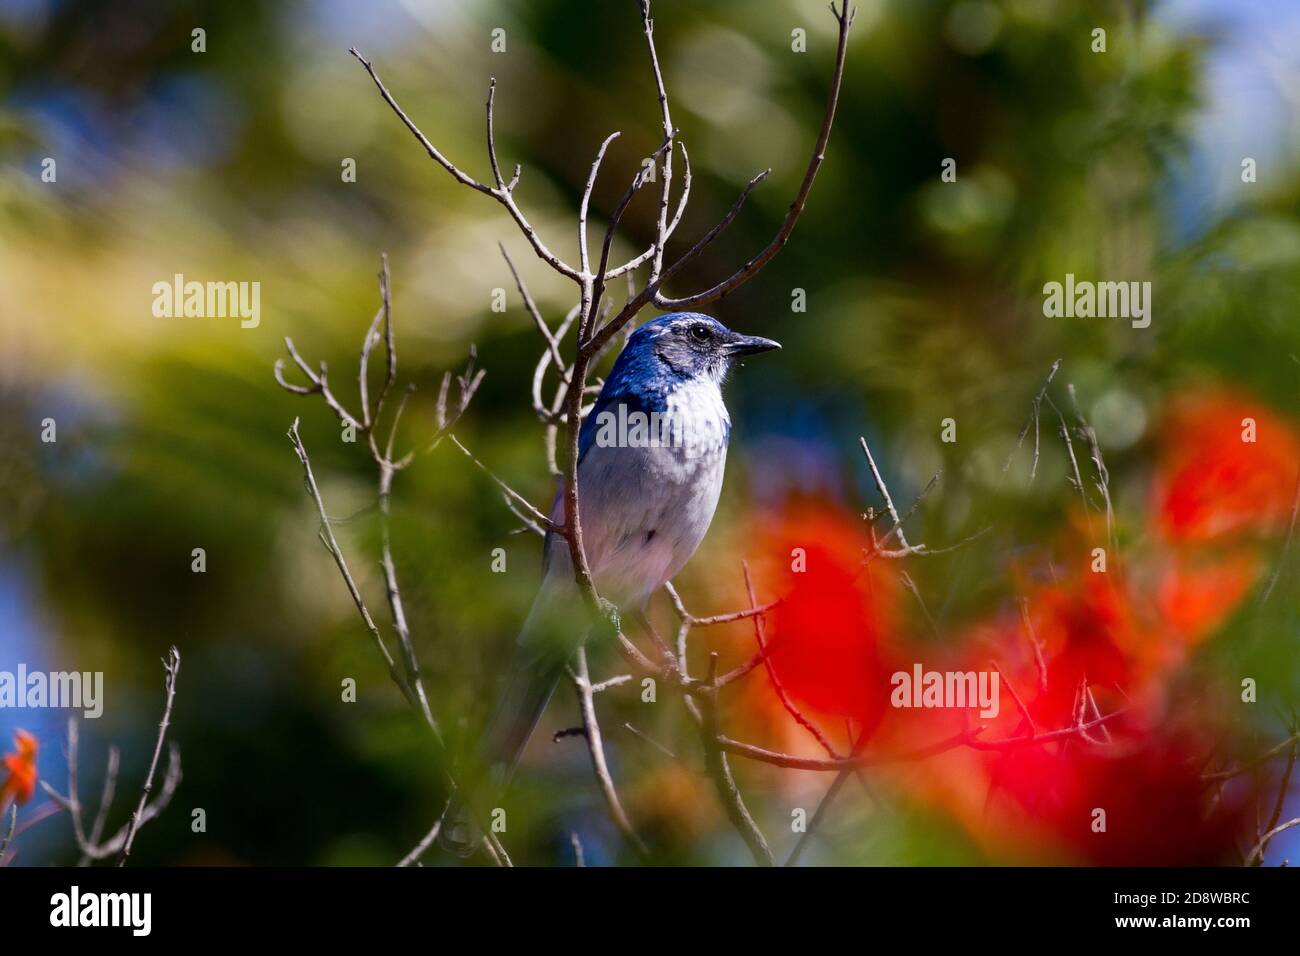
x=20, y=771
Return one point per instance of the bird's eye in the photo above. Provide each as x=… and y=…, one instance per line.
x=700, y=333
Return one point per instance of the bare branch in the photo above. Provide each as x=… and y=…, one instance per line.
x=1076, y=478
x=751, y=267
x=552, y=414
x=709, y=621
x=1262, y=845
x=396, y=606
x=611, y=682
x=390, y=345
x=781, y=694
x=532, y=513
x=9, y=832
x=405, y=681
x=504, y=194
x=1020, y=704
x=1034, y=643
x=598, y=280
x=665, y=187
x=967, y=738
x=583, y=253
x=595, y=745
x=1283, y=791
x=823, y=807
x=332, y=546
x=1099, y=467
x=651, y=741
x=651, y=292
x=552, y=345
x=1286, y=546
x=171, y=667
x=1269, y=754
x=90, y=845
x=682, y=200
x=105, y=801
x=1033, y=420
x=719, y=769
x=426, y=842
x=884, y=493
x=363, y=367
x=319, y=384
x=492, y=144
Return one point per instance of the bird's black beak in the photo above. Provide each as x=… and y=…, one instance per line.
x=750, y=345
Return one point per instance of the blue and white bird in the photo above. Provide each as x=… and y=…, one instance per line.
x=651, y=459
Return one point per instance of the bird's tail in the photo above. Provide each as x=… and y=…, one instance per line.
x=545, y=645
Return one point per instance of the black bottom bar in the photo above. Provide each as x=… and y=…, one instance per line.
x=335, y=906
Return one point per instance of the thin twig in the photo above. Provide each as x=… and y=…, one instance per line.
x=650, y=740
x=332, y=546
x=1283, y=791
x=967, y=738
x=595, y=745
x=1286, y=545
x=1258, y=851
x=754, y=264
x=1267, y=755
x=395, y=604
x=9, y=831
x=533, y=514
x=105, y=802
x=1034, y=416
x=828, y=798
x=585, y=203
x=172, y=667
x=781, y=694
x=637, y=261
x=1099, y=466
x=1020, y=704
x=1039, y=663
x=719, y=769
x=552, y=345
x=417, y=852
x=503, y=194
x=729, y=617
x=665, y=188
x=884, y=493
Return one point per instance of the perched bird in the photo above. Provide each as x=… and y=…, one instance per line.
x=651, y=458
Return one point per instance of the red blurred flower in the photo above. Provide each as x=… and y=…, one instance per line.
x=1119, y=633
x=1216, y=493
x=1212, y=483
x=20, y=781
x=1197, y=593
x=1140, y=803
x=1088, y=631
x=827, y=631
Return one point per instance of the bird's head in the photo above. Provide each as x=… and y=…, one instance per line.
x=690, y=345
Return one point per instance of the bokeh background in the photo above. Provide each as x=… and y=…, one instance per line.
x=924, y=301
